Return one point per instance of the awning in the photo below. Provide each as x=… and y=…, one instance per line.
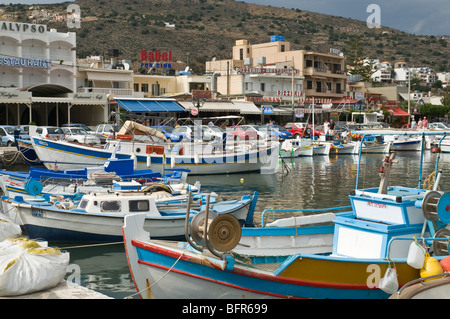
x=149, y=105
x=209, y=106
x=247, y=107
x=398, y=112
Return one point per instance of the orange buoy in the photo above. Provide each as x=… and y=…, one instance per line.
x=436, y=149
x=445, y=264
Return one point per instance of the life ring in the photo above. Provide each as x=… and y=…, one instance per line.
x=307, y=132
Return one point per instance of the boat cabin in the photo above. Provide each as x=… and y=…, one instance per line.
x=379, y=220
x=119, y=203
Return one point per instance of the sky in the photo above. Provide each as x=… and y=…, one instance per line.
x=420, y=17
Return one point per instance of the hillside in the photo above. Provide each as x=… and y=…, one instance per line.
x=209, y=28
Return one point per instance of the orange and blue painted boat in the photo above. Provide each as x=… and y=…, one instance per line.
x=362, y=253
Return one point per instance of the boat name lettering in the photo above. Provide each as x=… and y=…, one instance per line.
x=378, y=205
x=42, y=143
x=37, y=212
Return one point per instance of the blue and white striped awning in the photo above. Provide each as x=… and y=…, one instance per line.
x=150, y=105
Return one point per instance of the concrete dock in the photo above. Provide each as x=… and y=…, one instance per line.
x=63, y=291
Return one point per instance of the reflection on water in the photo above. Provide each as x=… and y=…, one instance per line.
x=316, y=182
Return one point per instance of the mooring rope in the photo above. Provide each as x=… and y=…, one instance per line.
x=162, y=277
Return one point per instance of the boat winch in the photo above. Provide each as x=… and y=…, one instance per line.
x=436, y=210
x=219, y=233
x=435, y=206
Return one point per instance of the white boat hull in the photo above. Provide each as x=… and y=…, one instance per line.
x=66, y=155
x=60, y=225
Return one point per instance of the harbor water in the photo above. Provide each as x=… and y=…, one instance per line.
x=303, y=183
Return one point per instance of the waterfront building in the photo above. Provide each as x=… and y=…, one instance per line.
x=38, y=77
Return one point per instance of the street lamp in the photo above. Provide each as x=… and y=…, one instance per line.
x=198, y=103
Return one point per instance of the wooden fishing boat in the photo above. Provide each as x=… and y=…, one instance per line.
x=199, y=158
x=369, y=255
x=99, y=217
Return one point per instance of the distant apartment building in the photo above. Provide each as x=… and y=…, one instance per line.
x=272, y=73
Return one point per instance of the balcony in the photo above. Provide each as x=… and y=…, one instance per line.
x=318, y=71
x=108, y=91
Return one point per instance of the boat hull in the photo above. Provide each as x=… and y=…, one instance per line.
x=297, y=276
x=66, y=155
x=69, y=226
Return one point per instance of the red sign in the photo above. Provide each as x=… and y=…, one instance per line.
x=194, y=112
x=156, y=56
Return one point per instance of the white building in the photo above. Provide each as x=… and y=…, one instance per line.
x=38, y=77
x=30, y=55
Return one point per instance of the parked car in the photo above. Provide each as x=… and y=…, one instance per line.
x=439, y=126
x=7, y=134
x=275, y=131
x=301, y=129
x=205, y=133
x=244, y=132
x=183, y=132
x=50, y=132
x=83, y=126
x=105, y=131
x=167, y=131
x=79, y=135
x=212, y=132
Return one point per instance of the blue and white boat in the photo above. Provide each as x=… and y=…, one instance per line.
x=366, y=253
x=199, y=158
x=99, y=217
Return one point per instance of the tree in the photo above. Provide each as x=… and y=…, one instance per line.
x=355, y=59
x=446, y=99
x=431, y=110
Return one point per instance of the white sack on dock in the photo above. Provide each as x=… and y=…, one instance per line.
x=8, y=229
x=27, y=267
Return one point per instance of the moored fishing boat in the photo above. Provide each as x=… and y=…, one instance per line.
x=99, y=217
x=368, y=241
x=199, y=158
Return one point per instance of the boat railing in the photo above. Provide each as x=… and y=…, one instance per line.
x=278, y=213
x=421, y=280
x=426, y=240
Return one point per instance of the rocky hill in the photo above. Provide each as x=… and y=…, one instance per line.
x=199, y=30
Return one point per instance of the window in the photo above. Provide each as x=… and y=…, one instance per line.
x=318, y=86
x=282, y=48
x=309, y=63
x=139, y=205
x=288, y=126
x=241, y=54
x=309, y=85
x=110, y=206
x=248, y=86
x=155, y=89
x=262, y=87
x=83, y=204
x=136, y=87
x=144, y=87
